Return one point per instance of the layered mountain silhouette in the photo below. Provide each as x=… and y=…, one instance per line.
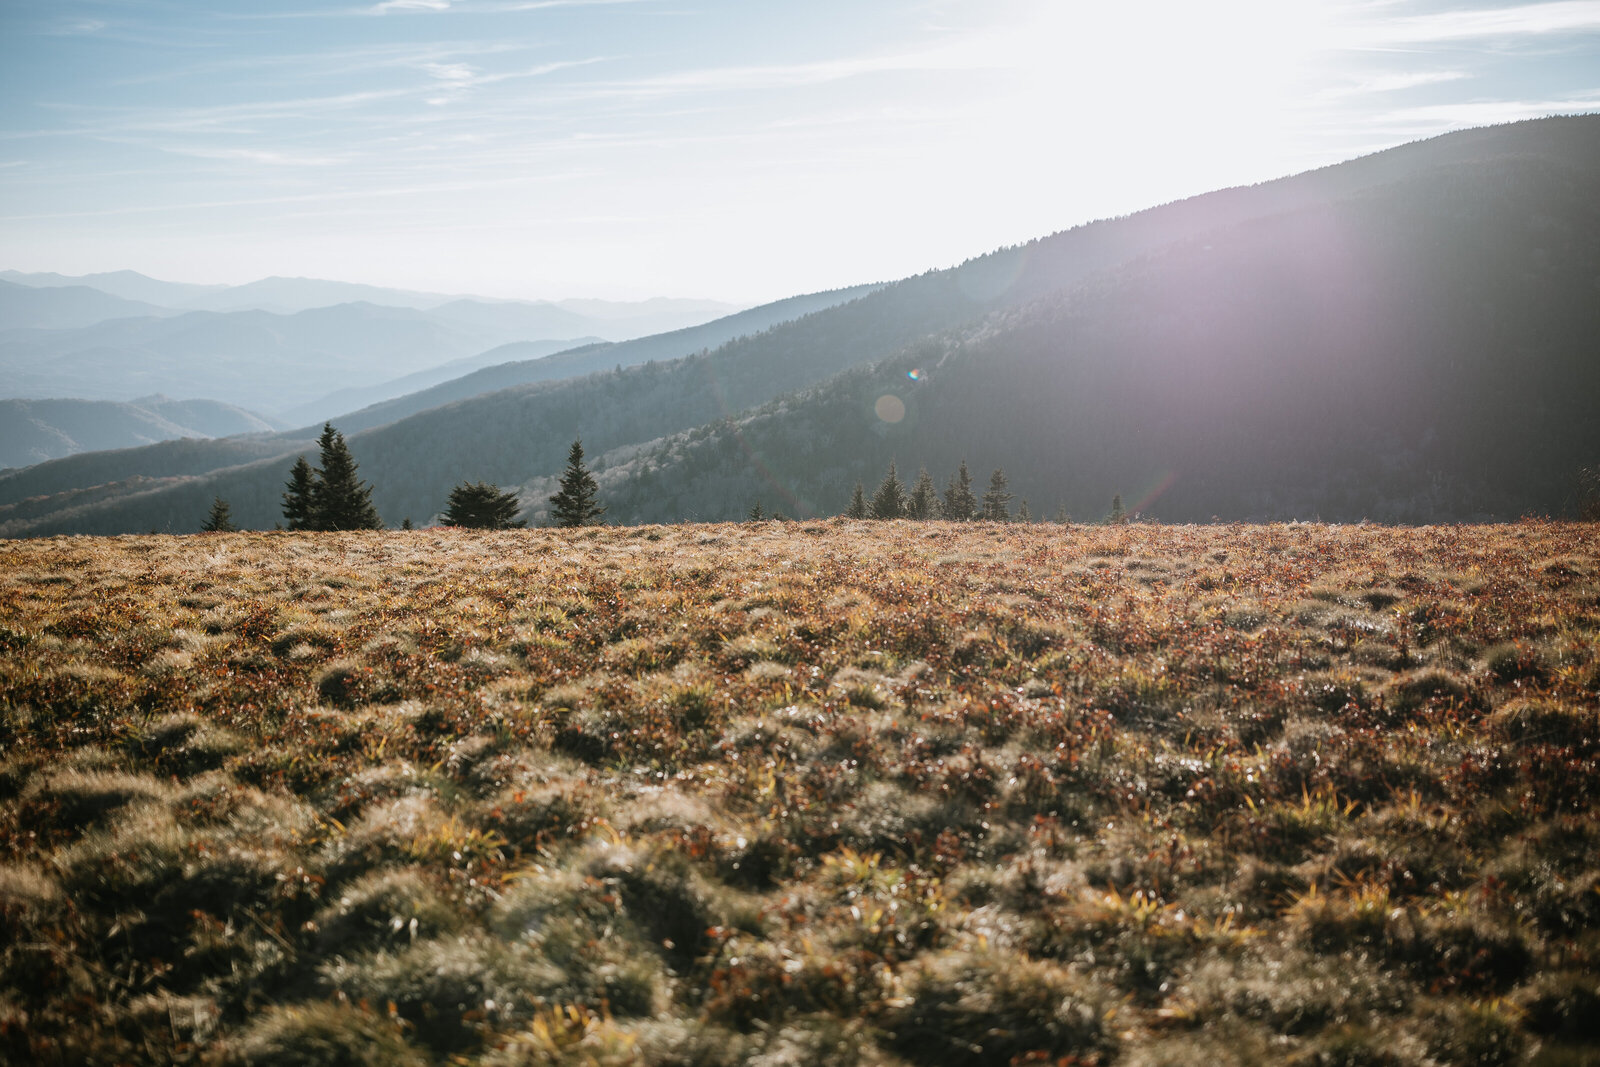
x=1408, y=336
x=288, y=346
x=32, y=431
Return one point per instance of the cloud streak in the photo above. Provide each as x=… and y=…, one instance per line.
x=1527, y=20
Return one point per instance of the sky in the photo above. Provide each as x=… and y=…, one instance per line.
x=742, y=150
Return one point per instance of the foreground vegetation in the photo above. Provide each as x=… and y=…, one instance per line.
x=852, y=793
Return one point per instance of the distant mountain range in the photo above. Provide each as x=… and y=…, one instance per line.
x=280, y=344
x=32, y=431
x=1408, y=336
x=285, y=296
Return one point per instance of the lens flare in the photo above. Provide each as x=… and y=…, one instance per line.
x=915, y=375
x=890, y=408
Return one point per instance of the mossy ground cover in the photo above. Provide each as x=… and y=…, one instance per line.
x=853, y=793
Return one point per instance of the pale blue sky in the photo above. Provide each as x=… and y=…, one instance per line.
x=741, y=150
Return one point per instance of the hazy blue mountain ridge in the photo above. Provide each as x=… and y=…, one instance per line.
x=66, y=307
x=33, y=431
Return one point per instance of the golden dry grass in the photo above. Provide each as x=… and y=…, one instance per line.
x=839, y=792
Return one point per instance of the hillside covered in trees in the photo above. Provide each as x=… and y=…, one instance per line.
x=1420, y=352
x=1406, y=336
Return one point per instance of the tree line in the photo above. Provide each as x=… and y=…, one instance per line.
x=892, y=500
x=331, y=497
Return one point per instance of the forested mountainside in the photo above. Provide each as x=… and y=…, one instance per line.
x=1421, y=352
x=1315, y=345
x=185, y=457
x=32, y=431
x=341, y=404
x=519, y=363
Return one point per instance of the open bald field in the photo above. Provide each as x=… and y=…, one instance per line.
x=833, y=792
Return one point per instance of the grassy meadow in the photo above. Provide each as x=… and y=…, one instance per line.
x=803, y=793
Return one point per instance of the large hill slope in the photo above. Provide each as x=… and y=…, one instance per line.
x=1421, y=352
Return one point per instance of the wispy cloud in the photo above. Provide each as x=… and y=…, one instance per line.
x=1436, y=118
x=257, y=156
x=391, y=6
x=1392, y=83
x=1526, y=20
x=76, y=27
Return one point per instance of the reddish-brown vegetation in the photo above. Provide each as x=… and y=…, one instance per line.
x=838, y=792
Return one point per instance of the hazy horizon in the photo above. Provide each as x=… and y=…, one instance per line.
x=625, y=149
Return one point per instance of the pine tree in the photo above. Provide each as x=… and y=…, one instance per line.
x=756, y=514
x=575, y=503
x=924, y=502
x=1119, y=514
x=481, y=506
x=959, y=503
x=1024, y=513
x=996, y=499
x=405, y=523
x=858, y=504
x=300, y=489
x=340, y=500
x=220, y=520
x=889, y=502
x=1061, y=514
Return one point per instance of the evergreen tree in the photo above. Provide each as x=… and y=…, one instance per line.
x=1119, y=514
x=1061, y=514
x=756, y=514
x=996, y=499
x=889, y=502
x=858, y=504
x=1024, y=513
x=300, y=489
x=924, y=502
x=959, y=503
x=575, y=503
x=340, y=500
x=481, y=506
x=220, y=520
x=405, y=523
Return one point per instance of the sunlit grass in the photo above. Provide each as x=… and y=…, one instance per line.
x=869, y=793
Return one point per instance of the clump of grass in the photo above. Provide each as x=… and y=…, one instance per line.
x=584, y=925
x=1562, y=1006
x=337, y=1035
x=186, y=743
x=345, y=683
x=1411, y=693
x=1537, y=721
x=1514, y=661
x=385, y=908
x=535, y=817
x=973, y=1007
x=74, y=799
x=451, y=991
x=29, y=900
